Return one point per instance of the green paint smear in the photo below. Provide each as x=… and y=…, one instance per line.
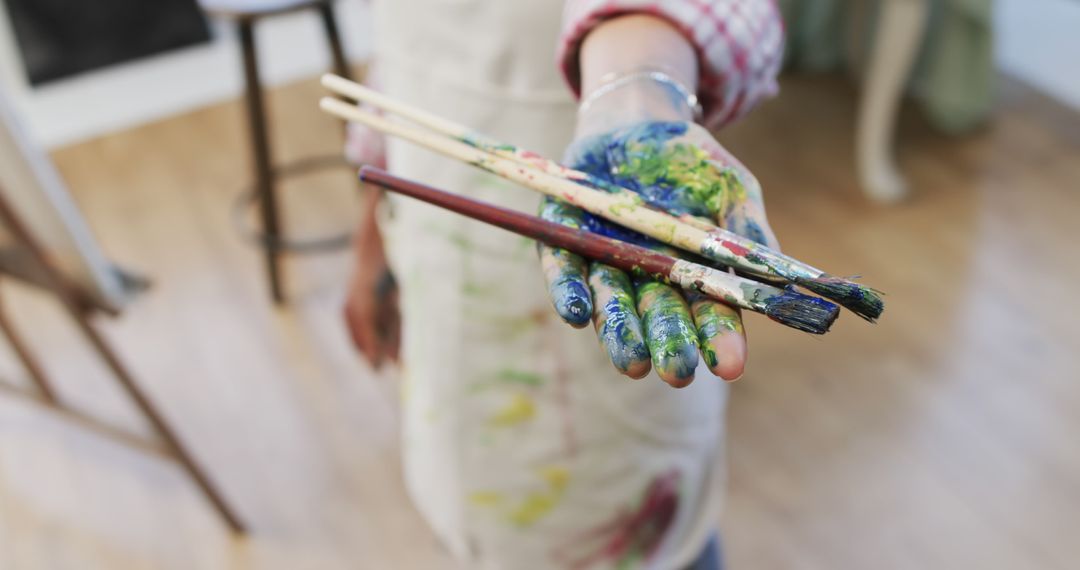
x=458, y=239
x=687, y=168
x=669, y=328
x=511, y=376
x=507, y=377
x=473, y=289
x=753, y=293
x=503, y=328
x=561, y=213
x=616, y=310
x=631, y=203
x=630, y=560
x=624, y=300
x=711, y=323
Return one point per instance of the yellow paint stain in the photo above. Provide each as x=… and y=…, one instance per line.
x=535, y=505
x=539, y=503
x=557, y=477
x=518, y=410
x=485, y=499
x=668, y=231
x=533, y=508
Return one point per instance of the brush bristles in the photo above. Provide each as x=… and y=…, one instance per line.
x=860, y=299
x=802, y=312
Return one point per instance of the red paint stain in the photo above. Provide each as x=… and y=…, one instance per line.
x=629, y=535
x=735, y=248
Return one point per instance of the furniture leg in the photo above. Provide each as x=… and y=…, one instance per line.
x=157, y=421
x=264, y=174
x=27, y=359
x=333, y=38
x=68, y=296
x=898, y=38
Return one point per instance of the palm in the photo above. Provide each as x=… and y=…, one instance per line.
x=680, y=168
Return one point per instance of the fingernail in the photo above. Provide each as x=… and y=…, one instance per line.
x=730, y=349
x=572, y=302
x=678, y=363
x=576, y=311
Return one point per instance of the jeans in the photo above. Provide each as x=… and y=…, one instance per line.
x=711, y=558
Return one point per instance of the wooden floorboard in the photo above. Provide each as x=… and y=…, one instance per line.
x=941, y=438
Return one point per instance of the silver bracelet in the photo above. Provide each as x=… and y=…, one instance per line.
x=618, y=79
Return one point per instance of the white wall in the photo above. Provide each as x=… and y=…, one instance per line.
x=1039, y=42
x=67, y=111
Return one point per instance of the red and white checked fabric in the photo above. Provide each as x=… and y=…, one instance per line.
x=740, y=46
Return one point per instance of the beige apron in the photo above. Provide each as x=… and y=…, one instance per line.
x=523, y=448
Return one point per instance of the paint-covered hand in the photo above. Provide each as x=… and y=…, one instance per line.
x=679, y=167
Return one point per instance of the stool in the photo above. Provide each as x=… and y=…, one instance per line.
x=245, y=14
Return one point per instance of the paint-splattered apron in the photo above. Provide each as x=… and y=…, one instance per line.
x=523, y=448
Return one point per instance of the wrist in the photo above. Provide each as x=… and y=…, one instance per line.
x=634, y=42
x=634, y=97
x=368, y=234
x=635, y=68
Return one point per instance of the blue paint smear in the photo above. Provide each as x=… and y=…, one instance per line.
x=621, y=335
x=803, y=312
x=599, y=156
x=598, y=225
x=571, y=299
x=647, y=140
x=677, y=358
x=751, y=229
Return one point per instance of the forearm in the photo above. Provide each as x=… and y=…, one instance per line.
x=629, y=44
x=738, y=46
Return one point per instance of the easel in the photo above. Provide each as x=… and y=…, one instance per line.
x=79, y=306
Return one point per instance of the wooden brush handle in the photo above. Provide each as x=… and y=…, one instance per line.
x=618, y=254
x=787, y=307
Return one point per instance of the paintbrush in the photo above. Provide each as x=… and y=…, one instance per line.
x=724, y=246
x=624, y=209
x=785, y=306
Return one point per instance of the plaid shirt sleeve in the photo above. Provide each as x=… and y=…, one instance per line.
x=740, y=45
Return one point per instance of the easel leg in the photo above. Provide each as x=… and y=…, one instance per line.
x=127, y=382
x=28, y=360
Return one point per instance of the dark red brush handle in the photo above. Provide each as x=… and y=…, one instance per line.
x=615, y=253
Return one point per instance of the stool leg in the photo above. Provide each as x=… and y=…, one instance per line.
x=264, y=173
x=341, y=65
x=333, y=37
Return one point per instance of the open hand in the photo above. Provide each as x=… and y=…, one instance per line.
x=679, y=167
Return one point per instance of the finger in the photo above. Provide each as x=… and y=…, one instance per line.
x=721, y=336
x=565, y=272
x=391, y=327
x=377, y=352
x=361, y=332
x=565, y=275
x=617, y=322
x=669, y=332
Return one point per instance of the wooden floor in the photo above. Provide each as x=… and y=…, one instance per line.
x=943, y=438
